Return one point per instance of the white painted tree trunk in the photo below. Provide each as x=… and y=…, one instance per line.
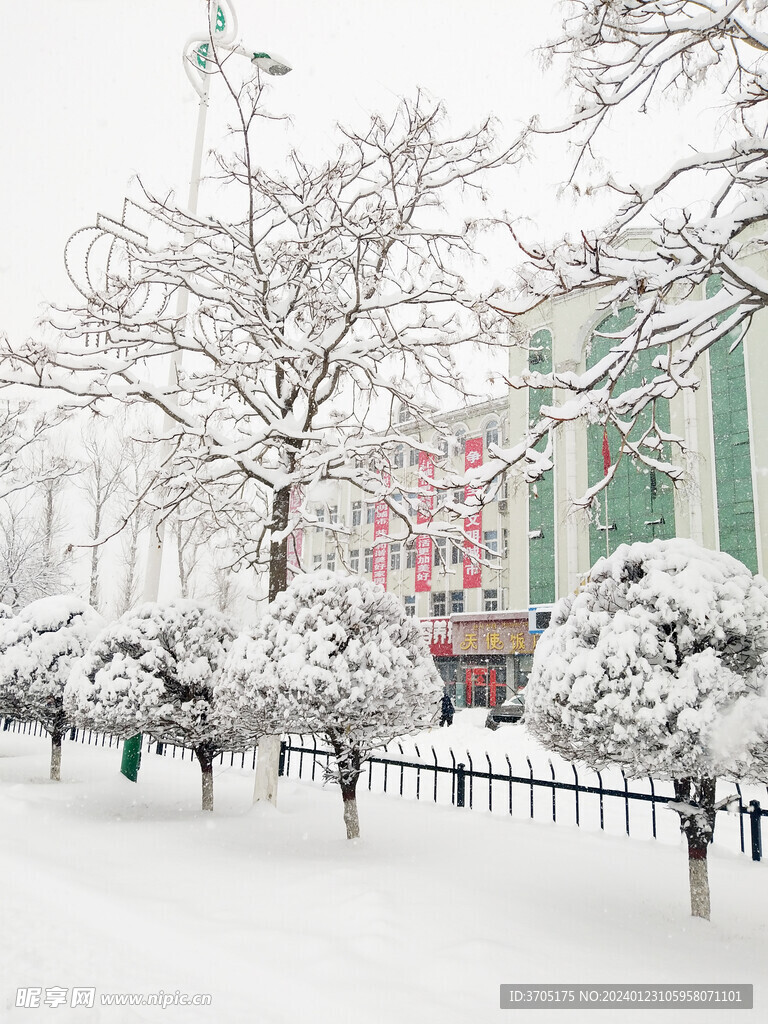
x=351, y=819
x=267, y=766
x=699, y=880
x=56, y=757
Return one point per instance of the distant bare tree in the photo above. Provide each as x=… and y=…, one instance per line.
x=193, y=529
x=132, y=509
x=29, y=569
x=103, y=464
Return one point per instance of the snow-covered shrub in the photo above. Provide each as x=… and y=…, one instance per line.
x=337, y=657
x=153, y=671
x=639, y=667
x=38, y=648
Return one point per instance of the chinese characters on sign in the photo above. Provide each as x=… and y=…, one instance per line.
x=380, y=547
x=473, y=524
x=501, y=636
x=423, y=515
x=437, y=633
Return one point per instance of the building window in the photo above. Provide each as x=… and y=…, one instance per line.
x=457, y=602
x=354, y=560
x=492, y=433
x=330, y=561
x=394, y=555
x=370, y=514
x=357, y=513
x=440, y=549
x=491, y=542
x=410, y=605
x=410, y=555
x=457, y=554
x=333, y=514
x=321, y=515
x=413, y=457
x=438, y=605
x=368, y=560
x=459, y=441
x=399, y=459
x=490, y=600
x=317, y=562
x=458, y=496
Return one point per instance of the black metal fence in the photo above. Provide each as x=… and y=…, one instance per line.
x=471, y=785
x=463, y=785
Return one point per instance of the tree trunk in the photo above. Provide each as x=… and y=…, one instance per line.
x=93, y=594
x=278, y=549
x=267, y=768
x=56, y=756
x=205, y=757
x=349, y=796
x=268, y=763
x=698, y=825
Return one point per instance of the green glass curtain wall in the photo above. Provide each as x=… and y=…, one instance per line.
x=541, y=496
x=640, y=501
x=733, y=456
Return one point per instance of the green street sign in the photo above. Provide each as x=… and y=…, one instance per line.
x=131, y=758
x=202, y=55
x=221, y=21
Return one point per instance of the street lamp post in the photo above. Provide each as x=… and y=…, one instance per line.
x=200, y=66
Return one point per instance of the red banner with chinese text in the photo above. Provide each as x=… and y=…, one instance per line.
x=380, y=547
x=426, y=499
x=473, y=524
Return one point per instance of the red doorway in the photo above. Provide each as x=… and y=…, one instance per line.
x=481, y=687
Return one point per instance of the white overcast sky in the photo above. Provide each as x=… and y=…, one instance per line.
x=94, y=92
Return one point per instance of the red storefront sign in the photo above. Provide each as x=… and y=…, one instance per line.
x=423, y=515
x=437, y=633
x=473, y=524
x=296, y=539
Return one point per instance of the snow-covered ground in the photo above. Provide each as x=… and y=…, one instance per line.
x=132, y=889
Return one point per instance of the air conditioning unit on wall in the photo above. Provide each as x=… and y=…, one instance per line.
x=538, y=617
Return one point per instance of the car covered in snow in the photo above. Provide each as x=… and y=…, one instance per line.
x=510, y=711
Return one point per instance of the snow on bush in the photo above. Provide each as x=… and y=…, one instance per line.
x=153, y=671
x=38, y=648
x=640, y=667
x=337, y=657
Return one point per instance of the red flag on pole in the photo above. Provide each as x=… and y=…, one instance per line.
x=606, y=454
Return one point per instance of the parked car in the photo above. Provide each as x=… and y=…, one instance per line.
x=510, y=711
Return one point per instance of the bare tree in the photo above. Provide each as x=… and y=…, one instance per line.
x=193, y=529
x=29, y=568
x=102, y=467
x=132, y=508
x=337, y=298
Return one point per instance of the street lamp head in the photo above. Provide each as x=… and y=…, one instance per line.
x=272, y=64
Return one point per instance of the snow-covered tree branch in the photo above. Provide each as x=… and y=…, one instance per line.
x=685, y=251
x=337, y=296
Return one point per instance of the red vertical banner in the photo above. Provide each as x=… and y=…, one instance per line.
x=473, y=525
x=296, y=539
x=426, y=499
x=381, y=547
